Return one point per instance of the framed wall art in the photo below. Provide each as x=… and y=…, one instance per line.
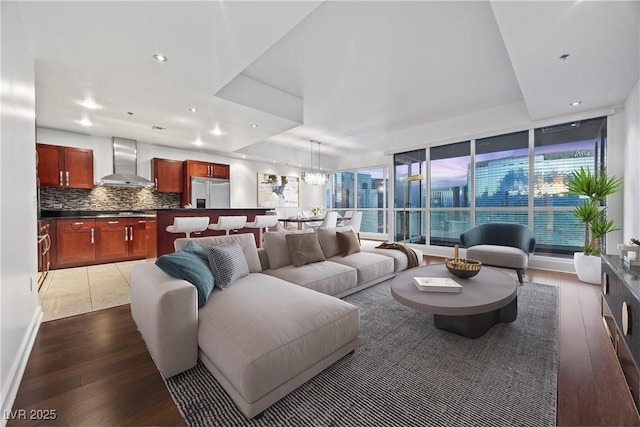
x=278, y=191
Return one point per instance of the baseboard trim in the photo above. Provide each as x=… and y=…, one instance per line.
x=19, y=365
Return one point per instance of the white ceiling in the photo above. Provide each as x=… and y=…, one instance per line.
x=344, y=73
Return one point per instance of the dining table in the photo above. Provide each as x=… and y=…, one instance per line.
x=300, y=221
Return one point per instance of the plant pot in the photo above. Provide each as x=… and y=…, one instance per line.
x=588, y=268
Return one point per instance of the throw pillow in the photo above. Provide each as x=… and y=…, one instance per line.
x=227, y=263
x=188, y=266
x=196, y=249
x=348, y=242
x=304, y=248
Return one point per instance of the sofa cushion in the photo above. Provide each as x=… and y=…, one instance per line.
x=348, y=242
x=275, y=243
x=326, y=277
x=329, y=241
x=304, y=248
x=281, y=331
x=188, y=264
x=499, y=256
x=399, y=258
x=246, y=241
x=369, y=266
x=228, y=263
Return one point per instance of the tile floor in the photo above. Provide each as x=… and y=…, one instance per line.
x=73, y=291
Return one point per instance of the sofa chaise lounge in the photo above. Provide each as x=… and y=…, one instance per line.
x=262, y=336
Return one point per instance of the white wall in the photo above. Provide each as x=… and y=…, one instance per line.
x=20, y=313
x=631, y=138
x=243, y=172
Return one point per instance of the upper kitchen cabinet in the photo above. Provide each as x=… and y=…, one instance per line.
x=65, y=167
x=206, y=169
x=197, y=168
x=168, y=175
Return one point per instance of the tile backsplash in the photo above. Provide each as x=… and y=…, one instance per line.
x=106, y=199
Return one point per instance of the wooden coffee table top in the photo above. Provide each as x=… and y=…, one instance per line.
x=490, y=289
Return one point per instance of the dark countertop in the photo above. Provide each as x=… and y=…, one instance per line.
x=80, y=214
x=212, y=209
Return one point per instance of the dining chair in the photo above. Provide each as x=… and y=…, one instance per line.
x=346, y=218
x=330, y=220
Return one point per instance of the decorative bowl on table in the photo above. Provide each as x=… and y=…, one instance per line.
x=462, y=267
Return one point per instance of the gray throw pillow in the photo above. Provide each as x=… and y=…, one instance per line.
x=227, y=263
x=304, y=248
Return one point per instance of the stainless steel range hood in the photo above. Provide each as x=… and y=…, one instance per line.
x=125, y=166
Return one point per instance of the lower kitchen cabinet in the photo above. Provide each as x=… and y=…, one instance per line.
x=120, y=239
x=86, y=242
x=75, y=242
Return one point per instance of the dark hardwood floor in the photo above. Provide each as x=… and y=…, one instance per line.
x=93, y=369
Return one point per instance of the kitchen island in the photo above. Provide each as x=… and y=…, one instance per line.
x=165, y=218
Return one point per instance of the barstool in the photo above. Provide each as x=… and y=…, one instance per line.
x=228, y=223
x=188, y=225
x=262, y=223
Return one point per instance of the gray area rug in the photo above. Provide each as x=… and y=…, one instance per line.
x=408, y=373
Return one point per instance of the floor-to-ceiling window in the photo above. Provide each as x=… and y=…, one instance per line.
x=449, y=177
x=363, y=190
x=502, y=179
x=517, y=177
x=558, y=151
x=410, y=196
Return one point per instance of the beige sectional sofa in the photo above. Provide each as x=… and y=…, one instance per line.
x=268, y=332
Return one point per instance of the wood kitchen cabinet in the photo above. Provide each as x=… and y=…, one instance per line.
x=201, y=169
x=206, y=169
x=120, y=239
x=95, y=241
x=168, y=175
x=75, y=242
x=65, y=167
x=152, y=238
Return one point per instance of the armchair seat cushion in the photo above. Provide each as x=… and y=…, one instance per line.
x=501, y=256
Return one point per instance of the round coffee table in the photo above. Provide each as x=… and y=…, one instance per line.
x=486, y=299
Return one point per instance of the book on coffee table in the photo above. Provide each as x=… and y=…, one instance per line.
x=436, y=284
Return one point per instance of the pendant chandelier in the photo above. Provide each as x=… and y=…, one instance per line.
x=315, y=177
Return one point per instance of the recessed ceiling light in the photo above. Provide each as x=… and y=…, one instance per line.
x=217, y=132
x=244, y=156
x=160, y=58
x=85, y=122
x=274, y=161
x=193, y=110
x=198, y=142
x=574, y=124
x=254, y=125
x=574, y=103
x=90, y=104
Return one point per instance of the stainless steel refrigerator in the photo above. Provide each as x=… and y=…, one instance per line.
x=209, y=192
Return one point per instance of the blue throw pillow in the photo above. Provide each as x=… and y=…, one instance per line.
x=196, y=249
x=188, y=264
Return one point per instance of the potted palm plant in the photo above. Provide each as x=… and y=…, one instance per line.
x=593, y=189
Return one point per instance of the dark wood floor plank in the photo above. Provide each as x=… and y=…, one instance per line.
x=94, y=369
x=577, y=404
